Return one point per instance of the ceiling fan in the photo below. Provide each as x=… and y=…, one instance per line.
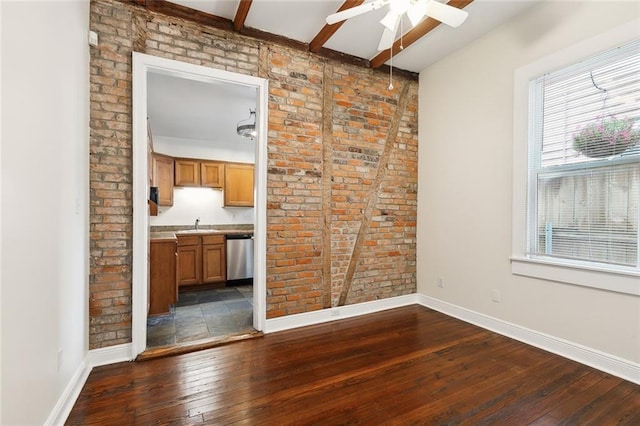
x=416, y=10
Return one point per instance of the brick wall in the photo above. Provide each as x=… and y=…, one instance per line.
x=342, y=168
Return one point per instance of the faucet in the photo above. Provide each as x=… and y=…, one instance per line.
x=197, y=223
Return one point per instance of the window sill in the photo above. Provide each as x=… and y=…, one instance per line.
x=627, y=282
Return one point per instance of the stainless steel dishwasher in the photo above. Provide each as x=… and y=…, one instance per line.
x=239, y=256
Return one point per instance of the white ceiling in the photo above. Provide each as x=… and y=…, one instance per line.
x=201, y=111
x=188, y=109
x=301, y=20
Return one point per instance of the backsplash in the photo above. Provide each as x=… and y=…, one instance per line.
x=190, y=204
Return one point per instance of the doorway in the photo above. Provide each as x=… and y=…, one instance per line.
x=147, y=69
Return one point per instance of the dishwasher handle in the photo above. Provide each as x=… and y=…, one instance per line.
x=239, y=236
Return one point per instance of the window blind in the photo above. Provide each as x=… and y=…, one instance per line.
x=592, y=92
x=585, y=160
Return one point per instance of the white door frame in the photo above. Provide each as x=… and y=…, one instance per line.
x=142, y=65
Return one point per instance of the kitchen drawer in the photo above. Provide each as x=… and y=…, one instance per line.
x=188, y=240
x=212, y=239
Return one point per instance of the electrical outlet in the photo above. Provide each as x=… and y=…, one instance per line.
x=441, y=282
x=93, y=38
x=495, y=295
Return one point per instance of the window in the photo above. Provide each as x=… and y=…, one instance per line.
x=584, y=162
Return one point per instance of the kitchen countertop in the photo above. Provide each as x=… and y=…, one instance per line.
x=171, y=235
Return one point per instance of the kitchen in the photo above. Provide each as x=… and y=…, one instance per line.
x=201, y=140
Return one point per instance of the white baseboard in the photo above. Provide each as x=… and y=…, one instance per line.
x=340, y=312
x=94, y=358
x=65, y=403
x=608, y=363
x=110, y=355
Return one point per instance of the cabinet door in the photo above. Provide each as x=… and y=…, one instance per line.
x=238, y=185
x=162, y=267
x=163, y=178
x=187, y=172
x=211, y=174
x=214, y=265
x=189, y=264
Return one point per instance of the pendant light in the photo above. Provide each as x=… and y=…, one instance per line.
x=247, y=128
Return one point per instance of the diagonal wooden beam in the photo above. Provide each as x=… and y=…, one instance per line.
x=328, y=30
x=241, y=14
x=414, y=35
x=374, y=190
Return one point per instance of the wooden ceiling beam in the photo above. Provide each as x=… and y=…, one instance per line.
x=328, y=30
x=241, y=14
x=413, y=35
x=171, y=9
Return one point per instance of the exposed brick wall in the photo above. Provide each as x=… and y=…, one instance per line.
x=294, y=203
x=110, y=177
x=342, y=168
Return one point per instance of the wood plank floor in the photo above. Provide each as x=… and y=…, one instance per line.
x=409, y=365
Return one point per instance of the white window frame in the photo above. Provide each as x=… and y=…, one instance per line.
x=559, y=270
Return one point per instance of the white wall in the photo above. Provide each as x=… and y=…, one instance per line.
x=203, y=203
x=44, y=213
x=465, y=183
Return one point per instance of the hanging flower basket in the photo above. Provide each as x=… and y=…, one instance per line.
x=604, y=138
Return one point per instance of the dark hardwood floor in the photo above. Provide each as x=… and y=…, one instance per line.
x=403, y=366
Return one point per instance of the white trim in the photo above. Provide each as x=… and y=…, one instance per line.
x=612, y=364
x=558, y=272
x=60, y=412
x=142, y=65
x=627, y=282
x=111, y=355
x=94, y=358
x=337, y=313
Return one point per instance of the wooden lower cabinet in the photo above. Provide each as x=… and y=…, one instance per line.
x=201, y=259
x=163, y=291
x=189, y=260
x=214, y=265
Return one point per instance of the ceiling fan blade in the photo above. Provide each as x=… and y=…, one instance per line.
x=390, y=20
x=446, y=14
x=355, y=11
x=389, y=35
x=416, y=11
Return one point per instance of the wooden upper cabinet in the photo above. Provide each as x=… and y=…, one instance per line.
x=238, y=185
x=187, y=172
x=163, y=178
x=211, y=174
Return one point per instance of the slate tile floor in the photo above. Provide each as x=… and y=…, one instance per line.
x=203, y=314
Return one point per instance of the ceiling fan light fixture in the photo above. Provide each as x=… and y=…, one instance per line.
x=247, y=128
x=399, y=6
